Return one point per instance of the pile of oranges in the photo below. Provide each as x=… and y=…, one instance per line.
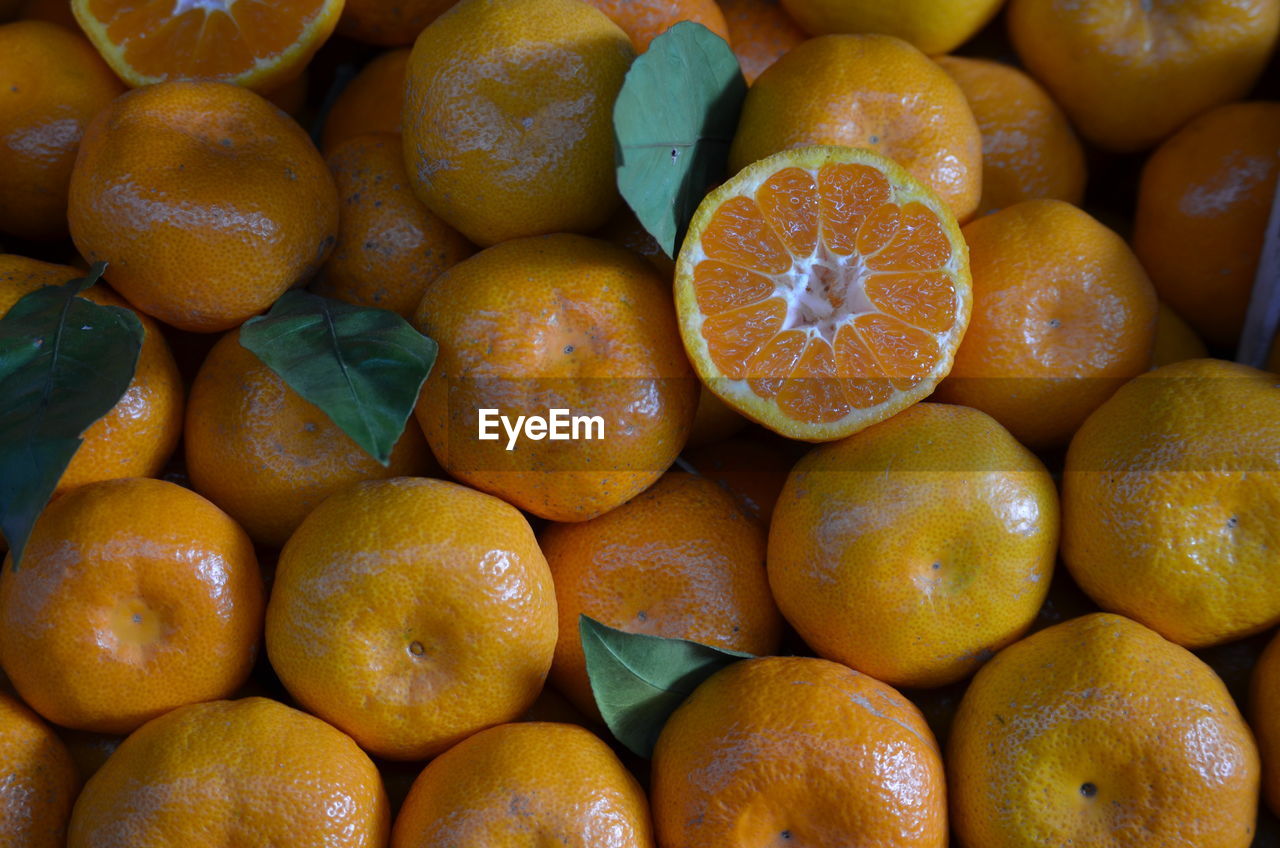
x=929, y=428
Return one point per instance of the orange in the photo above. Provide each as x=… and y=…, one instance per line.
x=267, y=456
x=247, y=772
x=1265, y=695
x=679, y=560
x=871, y=91
x=389, y=245
x=508, y=117
x=1029, y=151
x=525, y=784
x=934, y=26
x=752, y=469
x=760, y=32
x=1128, y=74
x=370, y=102
x=1062, y=315
x=1169, y=502
x=556, y=322
x=388, y=24
x=259, y=45
x=206, y=201
x=1203, y=206
x=156, y=597
x=950, y=565
x=1175, y=340
x=52, y=83
x=645, y=20
x=411, y=613
x=135, y=438
x=797, y=751
x=40, y=780
x=1099, y=732
x=821, y=290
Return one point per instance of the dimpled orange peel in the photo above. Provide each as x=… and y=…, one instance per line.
x=821, y=290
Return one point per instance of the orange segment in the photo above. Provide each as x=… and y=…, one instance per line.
x=822, y=289
x=255, y=44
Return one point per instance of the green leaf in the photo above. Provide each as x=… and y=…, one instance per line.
x=64, y=363
x=638, y=680
x=674, y=120
x=362, y=366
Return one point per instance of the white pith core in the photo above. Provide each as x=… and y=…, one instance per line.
x=823, y=292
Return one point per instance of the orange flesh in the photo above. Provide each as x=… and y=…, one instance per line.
x=216, y=38
x=823, y=292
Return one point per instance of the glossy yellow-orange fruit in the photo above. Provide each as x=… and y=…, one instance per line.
x=206, y=201
x=797, y=751
x=760, y=32
x=528, y=89
x=389, y=245
x=1063, y=314
x=52, y=83
x=1175, y=340
x=934, y=26
x=1203, y=205
x=1029, y=150
x=1098, y=732
x=411, y=613
x=871, y=91
x=950, y=565
x=136, y=437
x=133, y=597
x=266, y=455
x=514, y=785
x=246, y=772
x=371, y=102
x=1130, y=73
x=38, y=780
x=1169, y=502
x=679, y=560
x=556, y=322
x=645, y=20
x=1265, y=696
x=388, y=24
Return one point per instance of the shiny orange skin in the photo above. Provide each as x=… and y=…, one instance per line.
x=1063, y=314
x=52, y=84
x=950, y=565
x=411, y=613
x=679, y=560
x=1098, y=732
x=267, y=456
x=246, y=772
x=1175, y=340
x=1029, y=150
x=760, y=32
x=871, y=91
x=560, y=321
x=528, y=91
x=40, y=780
x=753, y=469
x=134, y=597
x=1203, y=205
x=1129, y=74
x=388, y=24
x=933, y=26
x=517, y=785
x=645, y=20
x=1169, y=502
x=795, y=750
x=136, y=438
x=1264, y=694
x=389, y=245
x=371, y=102
x=207, y=202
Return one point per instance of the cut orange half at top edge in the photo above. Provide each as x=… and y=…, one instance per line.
x=260, y=45
x=821, y=290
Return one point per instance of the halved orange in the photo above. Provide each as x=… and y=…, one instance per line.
x=257, y=44
x=821, y=290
